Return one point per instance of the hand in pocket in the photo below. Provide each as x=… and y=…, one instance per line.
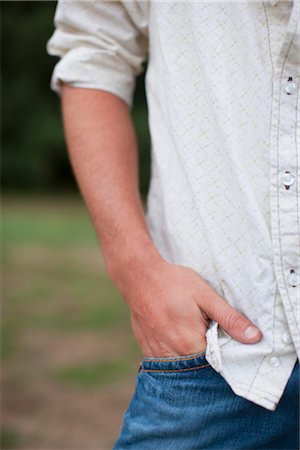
x=171, y=307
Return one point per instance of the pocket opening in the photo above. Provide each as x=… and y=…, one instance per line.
x=174, y=358
x=171, y=364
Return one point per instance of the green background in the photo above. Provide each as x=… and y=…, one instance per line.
x=34, y=156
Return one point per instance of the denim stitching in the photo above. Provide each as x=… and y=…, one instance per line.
x=187, y=358
x=175, y=370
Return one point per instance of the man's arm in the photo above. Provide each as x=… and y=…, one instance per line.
x=170, y=305
x=103, y=151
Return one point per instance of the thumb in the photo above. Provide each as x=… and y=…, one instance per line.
x=232, y=321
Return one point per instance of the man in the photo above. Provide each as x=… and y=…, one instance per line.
x=211, y=273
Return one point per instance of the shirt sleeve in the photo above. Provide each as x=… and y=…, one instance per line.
x=101, y=45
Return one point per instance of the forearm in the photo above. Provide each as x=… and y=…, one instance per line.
x=103, y=152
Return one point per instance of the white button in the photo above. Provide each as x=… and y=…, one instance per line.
x=290, y=87
x=293, y=278
x=287, y=338
x=274, y=361
x=288, y=179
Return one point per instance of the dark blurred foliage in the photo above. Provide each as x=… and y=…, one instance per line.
x=34, y=157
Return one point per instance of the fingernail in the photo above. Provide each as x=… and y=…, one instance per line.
x=251, y=332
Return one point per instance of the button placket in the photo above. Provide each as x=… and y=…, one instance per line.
x=284, y=153
x=284, y=162
x=284, y=202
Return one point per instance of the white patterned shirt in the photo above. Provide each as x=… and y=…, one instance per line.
x=222, y=86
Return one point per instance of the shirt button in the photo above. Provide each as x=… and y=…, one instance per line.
x=274, y=361
x=290, y=86
x=287, y=338
x=273, y=2
x=288, y=179
x=293, y=278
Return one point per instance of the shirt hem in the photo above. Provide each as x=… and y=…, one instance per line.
x=253, y=395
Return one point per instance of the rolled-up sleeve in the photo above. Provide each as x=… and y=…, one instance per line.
x=101, y=45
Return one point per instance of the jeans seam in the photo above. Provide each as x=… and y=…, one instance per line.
x=175, y=370
x=187, y=358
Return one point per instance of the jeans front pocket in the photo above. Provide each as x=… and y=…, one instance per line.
x=184, y=363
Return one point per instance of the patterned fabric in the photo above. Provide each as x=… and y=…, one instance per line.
x=222, y=87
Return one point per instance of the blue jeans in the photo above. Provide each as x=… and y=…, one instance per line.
x=184, y=404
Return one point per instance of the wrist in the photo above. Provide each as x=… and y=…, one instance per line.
x=127, y=263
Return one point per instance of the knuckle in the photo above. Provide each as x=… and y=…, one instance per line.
x=233, y=320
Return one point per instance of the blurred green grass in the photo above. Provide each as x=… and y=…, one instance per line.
x=64, y=323
x=49, y=221
x=96, y=374
x=8, y=438
x=53, y=273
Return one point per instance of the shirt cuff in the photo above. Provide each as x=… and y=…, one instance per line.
x=88, y=68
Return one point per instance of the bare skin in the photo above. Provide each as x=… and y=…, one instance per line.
x=170, y=305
